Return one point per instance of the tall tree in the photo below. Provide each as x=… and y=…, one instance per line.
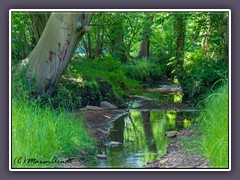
x=117, y=40
x=144, y=47
x=116, y=36
x=179, y=28
x=54, y=49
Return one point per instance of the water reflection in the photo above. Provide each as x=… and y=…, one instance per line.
x=174, y=96
x=142, y=136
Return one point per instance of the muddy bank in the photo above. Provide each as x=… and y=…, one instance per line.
x=177, y=156
x=98, y=123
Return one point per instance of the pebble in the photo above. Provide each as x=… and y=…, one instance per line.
x=163, y=161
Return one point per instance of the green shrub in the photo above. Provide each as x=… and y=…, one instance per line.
x=201, y=75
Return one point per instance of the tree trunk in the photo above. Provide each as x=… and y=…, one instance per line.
x=39, y=21
x=205, y=40
x=117, y=44
x=55, y=48
x=143, y=51
x=99, y=38
x=179, y=27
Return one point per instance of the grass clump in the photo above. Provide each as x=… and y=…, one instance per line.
x=214, y=128
x=43, y=133
x=210, y=137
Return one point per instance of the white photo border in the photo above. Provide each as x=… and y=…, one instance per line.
x=117, y=10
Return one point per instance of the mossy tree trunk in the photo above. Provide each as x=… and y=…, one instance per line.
x=54, y=50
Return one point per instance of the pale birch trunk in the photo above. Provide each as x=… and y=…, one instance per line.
x=55, y=48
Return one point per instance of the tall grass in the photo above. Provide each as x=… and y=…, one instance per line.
x=42, y=133
x=214, y=128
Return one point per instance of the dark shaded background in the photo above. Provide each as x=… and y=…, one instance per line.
x=234, y=5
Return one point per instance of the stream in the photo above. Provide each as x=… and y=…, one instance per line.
x=141, y=131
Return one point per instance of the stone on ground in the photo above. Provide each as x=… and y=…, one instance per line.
x=171, y=134
x=88, y=107
x=107, y=105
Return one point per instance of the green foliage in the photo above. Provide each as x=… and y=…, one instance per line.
x=162, y=38
x=22, y=36
x=214, y=127
x=202, y=74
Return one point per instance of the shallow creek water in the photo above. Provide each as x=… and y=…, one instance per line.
x=141, y=131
